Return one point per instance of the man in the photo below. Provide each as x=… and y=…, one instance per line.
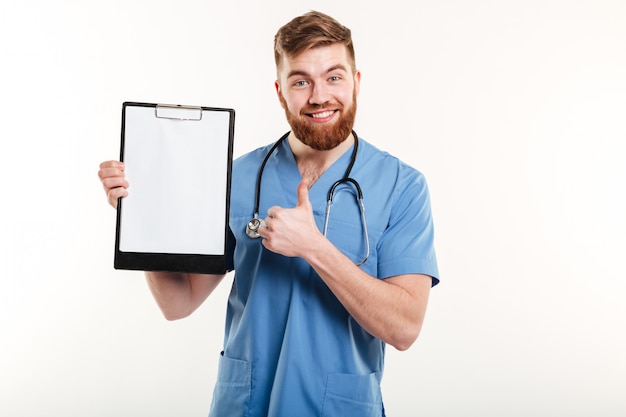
x=307, y=320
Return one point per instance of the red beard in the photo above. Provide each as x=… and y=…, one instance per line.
x=321, y=138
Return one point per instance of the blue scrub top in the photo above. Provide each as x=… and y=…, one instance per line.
x=290, y=347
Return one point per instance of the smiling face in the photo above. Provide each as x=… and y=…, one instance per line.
x=317, y=89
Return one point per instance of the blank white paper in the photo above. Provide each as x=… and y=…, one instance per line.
x=177, y=171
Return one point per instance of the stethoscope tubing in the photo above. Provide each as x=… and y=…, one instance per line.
x=259, y=176
x=255, y=223
x=329, y=202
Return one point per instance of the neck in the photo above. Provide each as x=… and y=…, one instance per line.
x=313, y=163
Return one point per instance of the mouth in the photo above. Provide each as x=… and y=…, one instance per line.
x=322, y=116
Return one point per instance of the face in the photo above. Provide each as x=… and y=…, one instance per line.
x=318, y=91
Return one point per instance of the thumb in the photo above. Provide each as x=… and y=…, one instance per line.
x=303, y=193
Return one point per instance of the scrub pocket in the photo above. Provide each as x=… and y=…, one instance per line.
x=231, y=395
x=353, y=395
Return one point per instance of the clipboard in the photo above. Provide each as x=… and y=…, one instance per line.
x=178, y=164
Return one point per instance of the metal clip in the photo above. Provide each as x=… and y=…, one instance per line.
x=178, y=112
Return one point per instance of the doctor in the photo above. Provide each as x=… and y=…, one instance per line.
x=306, y=325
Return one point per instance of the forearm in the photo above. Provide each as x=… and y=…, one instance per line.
x=391, y=309
x=180, y=294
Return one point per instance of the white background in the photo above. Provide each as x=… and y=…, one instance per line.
x=514, y=111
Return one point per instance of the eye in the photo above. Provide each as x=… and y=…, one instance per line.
x=300, y=83
x=334, y=78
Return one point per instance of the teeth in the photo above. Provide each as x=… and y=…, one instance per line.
x=322, y=115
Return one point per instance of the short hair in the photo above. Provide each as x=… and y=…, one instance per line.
x=311, y=30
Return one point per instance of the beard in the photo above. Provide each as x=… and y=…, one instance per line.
x=318, y=137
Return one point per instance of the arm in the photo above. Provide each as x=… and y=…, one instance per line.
x=177, y=294
x=180, y=294
x=392, y=309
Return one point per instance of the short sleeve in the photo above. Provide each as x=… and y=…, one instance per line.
x=407, y=245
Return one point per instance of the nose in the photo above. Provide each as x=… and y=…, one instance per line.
x=320, y=94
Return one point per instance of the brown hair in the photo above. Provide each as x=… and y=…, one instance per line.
x=311, y=30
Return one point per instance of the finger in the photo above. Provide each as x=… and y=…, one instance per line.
x=106, y=173
x=266, y=242
x=111, y=169
x=303, y=193
x=114, y=194
x=112, y=164
x=273, y=211
x=263, y=231
x=114, y=182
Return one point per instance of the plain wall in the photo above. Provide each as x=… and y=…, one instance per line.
x=514, y=111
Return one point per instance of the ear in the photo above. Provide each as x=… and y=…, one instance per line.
x=357, y=82
x=277, y=87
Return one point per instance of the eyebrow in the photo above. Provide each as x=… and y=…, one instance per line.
x=296, y=72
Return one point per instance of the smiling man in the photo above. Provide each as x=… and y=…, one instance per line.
x=316, y=296
x=322, y=91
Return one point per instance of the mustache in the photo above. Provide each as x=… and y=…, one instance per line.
x=310, y=108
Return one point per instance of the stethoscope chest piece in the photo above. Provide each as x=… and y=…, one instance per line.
x=253, y=226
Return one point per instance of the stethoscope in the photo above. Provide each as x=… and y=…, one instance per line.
x=253, y=226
